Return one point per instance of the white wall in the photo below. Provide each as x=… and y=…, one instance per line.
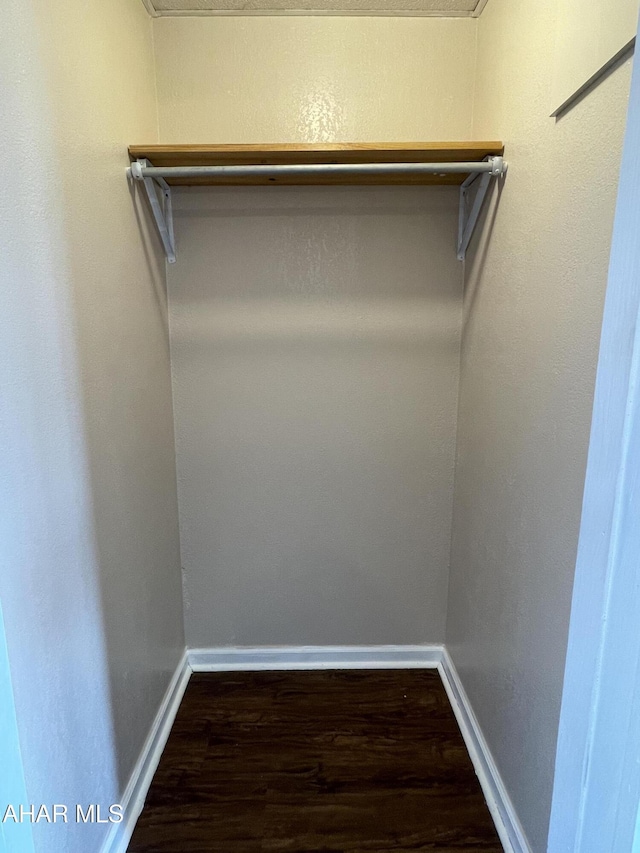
x=533, y=308
x=315, y=334
x=14, y=837
x=90, y=579
x=597, y=775
x=314, y=79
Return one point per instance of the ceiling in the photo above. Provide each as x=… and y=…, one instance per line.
x=435, y=8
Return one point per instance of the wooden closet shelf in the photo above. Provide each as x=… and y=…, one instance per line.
x=344, y=154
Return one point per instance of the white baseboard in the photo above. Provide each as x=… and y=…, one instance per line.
x=135, y=793
x=225, y=659
x=502, y=811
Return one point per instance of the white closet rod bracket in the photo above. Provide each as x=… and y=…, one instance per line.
x=481, y=172
x=469, y=214
x=162, y=212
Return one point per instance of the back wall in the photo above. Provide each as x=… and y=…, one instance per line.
x=315, y=346
x=315, y=334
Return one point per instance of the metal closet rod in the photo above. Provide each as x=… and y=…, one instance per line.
x=479, y=175
x=492, y=165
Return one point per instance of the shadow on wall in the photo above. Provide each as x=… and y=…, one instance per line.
x=477, y=254
x=122, y=351
x=49, y=584
x=114, y=282
x=85, y=391
x=315, y=348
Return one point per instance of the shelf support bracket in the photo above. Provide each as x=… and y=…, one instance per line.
x=470, y=211
x=472, y=192
x=156, y=189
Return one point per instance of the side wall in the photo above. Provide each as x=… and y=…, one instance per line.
x=14, y=837
x=90, y=577
x=315, y=334
x=534, y=294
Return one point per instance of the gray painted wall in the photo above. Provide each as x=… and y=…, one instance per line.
x=534, y=295
x=315, y=349
x=89, y=556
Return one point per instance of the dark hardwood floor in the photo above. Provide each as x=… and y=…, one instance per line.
x=320, y=762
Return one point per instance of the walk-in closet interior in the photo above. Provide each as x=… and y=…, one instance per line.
x=284, y=412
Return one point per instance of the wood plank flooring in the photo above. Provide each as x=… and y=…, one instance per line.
x=315, y=762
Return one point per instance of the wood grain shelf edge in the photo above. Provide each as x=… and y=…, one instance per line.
x=317, y=153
